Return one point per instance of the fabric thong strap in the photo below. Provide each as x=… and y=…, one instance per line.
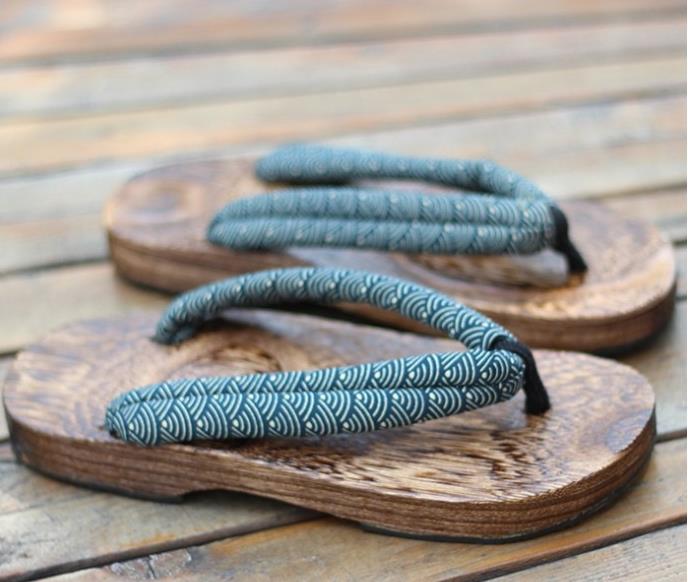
x=500, y=212
x=345, y=399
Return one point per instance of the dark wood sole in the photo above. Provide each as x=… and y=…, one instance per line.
x=490, y=475
x=156, y=232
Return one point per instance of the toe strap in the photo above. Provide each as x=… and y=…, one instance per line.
x=359, y=398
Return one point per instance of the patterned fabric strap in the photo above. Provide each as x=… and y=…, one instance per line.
x=501, y=213
x=359, y=398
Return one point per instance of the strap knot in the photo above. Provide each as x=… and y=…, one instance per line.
x=537, y=399
x=359, y=398
x=562, y=242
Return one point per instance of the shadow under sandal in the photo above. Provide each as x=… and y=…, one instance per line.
x=471, y=229
x=355, y=421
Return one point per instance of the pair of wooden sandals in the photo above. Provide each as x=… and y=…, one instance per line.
x=358, y=421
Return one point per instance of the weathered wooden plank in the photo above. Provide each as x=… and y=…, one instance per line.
x=62, y=295
x=51, y=242
x=61, y=195
x=49, y=526
x=584, y=164
x=545, y=145
x=96, y=28
x=656, y=556
x=30, y=146
x=192, y=78
x=663, y=363
x=318, y=549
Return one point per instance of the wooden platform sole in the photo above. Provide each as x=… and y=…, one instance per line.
x=156, y=228
x=489, y=475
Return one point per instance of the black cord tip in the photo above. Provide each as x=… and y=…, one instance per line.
x=537, y=400
x=563, y=244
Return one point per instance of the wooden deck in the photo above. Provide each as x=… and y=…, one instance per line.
x=587, y=98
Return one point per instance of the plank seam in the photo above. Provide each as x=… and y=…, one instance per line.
x=233, y=150
x=431, y=31
x=646, y=56
x=525, y=564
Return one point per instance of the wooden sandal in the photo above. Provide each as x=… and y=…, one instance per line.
x=158, y=228
x=341, y=440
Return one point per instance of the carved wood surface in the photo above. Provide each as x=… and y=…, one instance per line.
x=494, y=473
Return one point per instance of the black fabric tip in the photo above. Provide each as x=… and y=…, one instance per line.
x=563, y=244
x=537, y=400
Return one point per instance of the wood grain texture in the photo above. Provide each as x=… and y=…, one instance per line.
x=156, y=230
x=42, y=145
x=48, y=526
x=666, y=209
x=490, y=474
x=316, y=550
x=98, y=28
x=654, y=556
x=191, y=78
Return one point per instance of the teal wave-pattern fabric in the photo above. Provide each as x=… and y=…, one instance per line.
x=320, y=164
x=390, y=220
x=499, y=212
x=360, y=398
